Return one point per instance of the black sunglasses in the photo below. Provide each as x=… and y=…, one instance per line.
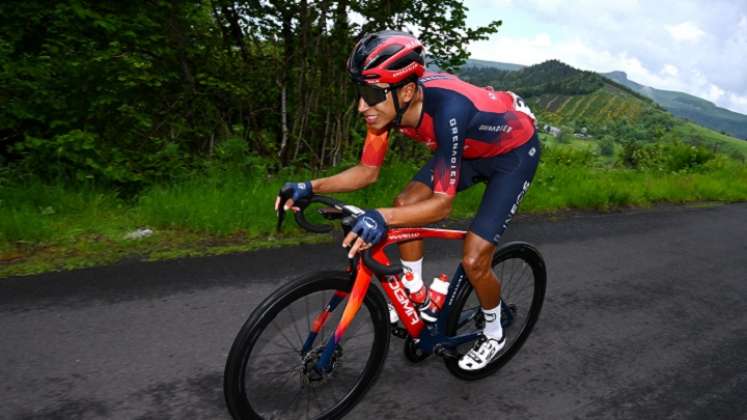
x=373, y=95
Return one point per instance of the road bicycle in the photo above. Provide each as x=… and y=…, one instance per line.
x=316, y=345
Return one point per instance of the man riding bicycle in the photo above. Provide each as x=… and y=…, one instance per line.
x=476, y=134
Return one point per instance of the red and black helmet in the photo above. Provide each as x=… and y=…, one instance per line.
x=387, y=57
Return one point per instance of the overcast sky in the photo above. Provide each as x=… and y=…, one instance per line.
x=693, y=46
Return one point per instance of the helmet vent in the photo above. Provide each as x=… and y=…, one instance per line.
x=406, y=60
x=384, y=55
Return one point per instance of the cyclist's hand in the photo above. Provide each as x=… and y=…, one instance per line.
x=292, y=192
x=368, y=230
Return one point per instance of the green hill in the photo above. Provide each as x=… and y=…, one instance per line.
x=562, y=95
x=690, y=107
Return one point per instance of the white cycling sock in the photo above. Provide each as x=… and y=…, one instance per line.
x=493, y=328
x=415, y=266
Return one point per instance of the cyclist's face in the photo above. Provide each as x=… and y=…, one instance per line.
x=376, y=105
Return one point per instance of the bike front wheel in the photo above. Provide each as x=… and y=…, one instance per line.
x=521, y=271
x=270, y=372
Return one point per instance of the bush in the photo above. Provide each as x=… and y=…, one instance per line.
x=565, y=136
x=568, y=156
x=607, y=146
x=672, y=157
x=70, y=156
x=682, y=157
x=639, y=155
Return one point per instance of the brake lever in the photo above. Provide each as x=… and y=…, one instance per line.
x=281, y=215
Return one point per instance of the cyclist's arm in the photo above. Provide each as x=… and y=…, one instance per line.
x=421, y=213
x=355, y=178
x=361, y=175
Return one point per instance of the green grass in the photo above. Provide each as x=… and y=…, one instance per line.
x=52, y=227
x=219, y=205
x=559, y=187
x=726, y=143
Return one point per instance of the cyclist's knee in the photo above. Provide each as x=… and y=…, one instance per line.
x=401, y=200
x=475, y=264
x=415, y=192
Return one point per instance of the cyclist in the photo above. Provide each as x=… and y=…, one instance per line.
x=477, y=135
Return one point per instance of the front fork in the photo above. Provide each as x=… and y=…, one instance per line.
x=321, y=319
x=357, y=294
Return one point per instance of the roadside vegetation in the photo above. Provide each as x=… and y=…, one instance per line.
x=227, y=206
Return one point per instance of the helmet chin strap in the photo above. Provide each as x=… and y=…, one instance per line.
x=399, y=110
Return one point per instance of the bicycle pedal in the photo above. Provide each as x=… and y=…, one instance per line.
x=398, y=331
x=447, y=353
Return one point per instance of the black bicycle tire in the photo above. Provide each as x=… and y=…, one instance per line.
x=233, y=378
x=534, y=259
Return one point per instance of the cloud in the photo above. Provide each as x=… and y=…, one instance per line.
x=714, y=93
x=519, y=50
x=737, y=103
x=685, y=31
x=670, y=71
x=547, y=6
x=693, y=46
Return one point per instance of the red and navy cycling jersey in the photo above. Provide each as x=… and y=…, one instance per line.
x=459, y=121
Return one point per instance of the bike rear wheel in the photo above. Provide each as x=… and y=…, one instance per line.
x=521, y=270
x=268, y=376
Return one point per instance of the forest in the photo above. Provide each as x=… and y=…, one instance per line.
x=129, y=94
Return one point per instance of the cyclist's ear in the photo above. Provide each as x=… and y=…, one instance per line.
x=408, y=91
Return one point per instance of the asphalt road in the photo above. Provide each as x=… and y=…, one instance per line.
x=645, y=318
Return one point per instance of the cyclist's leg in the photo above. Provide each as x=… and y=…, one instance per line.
x=411, y=252
x=421, y=188
x=506, y=187
x=414, y=192
x=478, y=253
x=512, y=176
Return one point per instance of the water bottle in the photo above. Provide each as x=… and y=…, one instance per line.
x=414, y=285
x=436, y=298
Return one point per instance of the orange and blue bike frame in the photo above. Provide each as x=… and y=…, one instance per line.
x=427, y=336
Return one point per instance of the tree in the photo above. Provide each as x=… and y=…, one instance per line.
x=156, y=87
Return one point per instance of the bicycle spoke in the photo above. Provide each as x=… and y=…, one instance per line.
x=287, y=378
x=522, y=288
x=308, y=313
x=276, y=354
x=307, y=404
x=296, y=400
x=334, y=388
x=287, y=340
x=293, y=322
x=511, y=284
x=513, y=269
x=506, y=282
x=354, y=329
x=523, y=284
x=502, y=266
x=355, y=348
x=363, y=334
x=313, y=397
x=281, y=372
